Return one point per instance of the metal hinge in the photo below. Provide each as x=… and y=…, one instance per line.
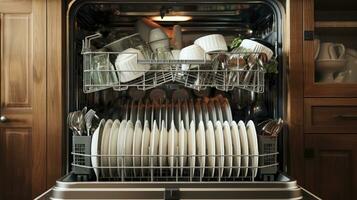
x=308, y=35
x=171, y=194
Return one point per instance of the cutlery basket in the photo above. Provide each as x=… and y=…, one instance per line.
x=81, y=147
x=267, y=145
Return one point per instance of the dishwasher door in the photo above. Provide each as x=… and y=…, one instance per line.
x=284, y=188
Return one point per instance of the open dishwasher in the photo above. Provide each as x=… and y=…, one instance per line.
x=187, y=101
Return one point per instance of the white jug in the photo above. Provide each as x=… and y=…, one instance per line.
x=331, y=51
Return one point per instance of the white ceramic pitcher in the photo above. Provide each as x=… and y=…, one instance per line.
x=331, y=51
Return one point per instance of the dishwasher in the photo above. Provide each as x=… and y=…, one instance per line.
x=184, y=100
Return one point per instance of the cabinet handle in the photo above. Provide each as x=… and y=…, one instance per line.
x=347, y=116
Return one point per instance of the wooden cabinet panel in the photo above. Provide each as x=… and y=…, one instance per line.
x=330, y=115
x=331, y=165
x=23, y=98
x=15, y=145
x=17, y=63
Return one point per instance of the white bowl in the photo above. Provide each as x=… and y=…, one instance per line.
x=193, y=52
x=256, y=47
x=128, y=67
x=212, y=43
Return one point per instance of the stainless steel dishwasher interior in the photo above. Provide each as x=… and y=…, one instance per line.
x=262, y=20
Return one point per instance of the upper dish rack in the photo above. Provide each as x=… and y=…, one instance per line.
x=223, y=71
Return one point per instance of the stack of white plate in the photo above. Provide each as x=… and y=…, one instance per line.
x=176, y=139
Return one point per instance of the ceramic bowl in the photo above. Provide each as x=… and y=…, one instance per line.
x=256, y=47
x=193, y=52
x=212, y=43
x=128, y=67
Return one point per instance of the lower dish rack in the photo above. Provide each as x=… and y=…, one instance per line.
x=176, y=168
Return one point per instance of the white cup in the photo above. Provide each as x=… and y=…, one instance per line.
x=128, y=67
x=212, y=43
x=192, y=52
x=256, y=47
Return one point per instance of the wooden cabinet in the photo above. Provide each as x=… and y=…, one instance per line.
x=330, y=165
x=24, y=56
x=330, y=115
x=328, y=33
x=330, y=103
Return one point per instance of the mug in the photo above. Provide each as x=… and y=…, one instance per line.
x=331, y=51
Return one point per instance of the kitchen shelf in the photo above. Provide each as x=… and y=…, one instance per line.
x=336, y=24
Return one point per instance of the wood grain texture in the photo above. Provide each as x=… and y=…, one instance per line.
x=330, y=115
x=295, y=89
x=23, y=98
x=15, y=150
x=330, y=172
x=54, y=91
x=39, y=98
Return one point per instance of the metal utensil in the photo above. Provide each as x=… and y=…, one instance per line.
x=88, y=117
x=70, y=123
x=78, y=122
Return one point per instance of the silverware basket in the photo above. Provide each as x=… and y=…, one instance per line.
x=268, y=144
x=81, y=145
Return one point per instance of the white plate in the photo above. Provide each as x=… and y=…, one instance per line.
x=172, y=148
x=177, y=114
x=236, y=147
x=128, y=146
x=219, y=148
x=95, y=147
x=191, y=110
x=137, y=147
x=201, y=147
x=211, y=146
x=163, y=146
x=170, y=115
x=145, y=142
x=154, y=145
x=113, y=138
x=212, y=111
x=185, y=114
x=227, y=112
x=191, y=148
x=147, y=114
x=244, y=147
x=182, y=147
x=198, y=112
x=253, y=147
x=157, y=115
x=205, y=113
x=120, y=146
x=164, y=113
x=228, y=149
x=105, y=147
x=218, y=111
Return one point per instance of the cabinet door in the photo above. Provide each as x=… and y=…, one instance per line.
x=331, y=165
x=22, y=98
x=330, y=48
